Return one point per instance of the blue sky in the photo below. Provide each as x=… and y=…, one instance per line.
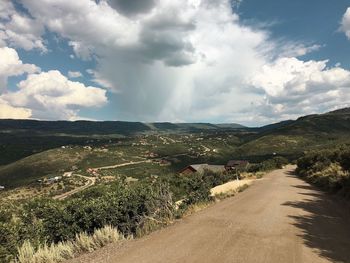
x=313, y=21
x=252, y=62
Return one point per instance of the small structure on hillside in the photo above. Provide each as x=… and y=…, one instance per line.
x=164, y=162
x=53, y=179
x=150, y=155
x=68, y=174
x=234, y=165
x=2, y=187
x=89, y=148
x=200, y=168
x=92, y=171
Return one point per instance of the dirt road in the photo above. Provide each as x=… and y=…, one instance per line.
x=90, y=182
x=121, y=165
x=280, y=218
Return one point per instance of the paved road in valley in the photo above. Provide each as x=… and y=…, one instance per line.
x=280, y=218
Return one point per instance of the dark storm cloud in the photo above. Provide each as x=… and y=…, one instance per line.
x=132, y=7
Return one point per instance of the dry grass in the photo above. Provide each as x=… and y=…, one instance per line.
x=84, y=243
x=221, y=196
x=105, y=236
x=26, y=252
x=45, y=253
x=195, y=208
x=65, y=250
x=230, y=187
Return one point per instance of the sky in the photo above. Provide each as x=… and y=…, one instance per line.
x=251, y=62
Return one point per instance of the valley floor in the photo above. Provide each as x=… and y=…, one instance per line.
x=278, y=219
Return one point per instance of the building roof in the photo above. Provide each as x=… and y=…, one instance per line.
x=237, y=162
x=200, y=168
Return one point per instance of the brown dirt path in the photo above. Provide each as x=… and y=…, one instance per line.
x=278, y=219
x=90, y=182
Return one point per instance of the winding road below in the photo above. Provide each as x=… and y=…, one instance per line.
x=90, y=182
x=280, y=218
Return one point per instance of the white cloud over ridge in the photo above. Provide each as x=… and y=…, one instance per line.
x=292, y=86
x=188, y=60
x=9, y=112
x=50, y=95
x=163, y=63
x=43, y=95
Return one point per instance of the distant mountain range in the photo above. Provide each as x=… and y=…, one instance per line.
x=21, y=138
x=29, y=147
x=107, y=127
x=292, y=137
x=330, y=122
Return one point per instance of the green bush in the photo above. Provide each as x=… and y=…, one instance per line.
x=329, y=169
x=275, y=163
x=134, y=209
x=120, y=205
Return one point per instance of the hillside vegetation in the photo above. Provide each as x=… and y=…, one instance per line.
x=140, y=196
x=21, y=138
x=132, y=208
x=292, y=138
x=329, y=169
x=175, y=150
x=178, y=145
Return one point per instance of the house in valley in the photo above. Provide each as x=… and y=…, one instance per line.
x=53, y=180
x=200, y=168
x=234, y=165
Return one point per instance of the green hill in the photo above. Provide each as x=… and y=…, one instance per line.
x=22, y=138
x=104, y=127
x=291, y=138
x=36, y=139
x=49, y=163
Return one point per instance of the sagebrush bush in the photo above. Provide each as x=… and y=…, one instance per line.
x=329, y=169
x=84, y=243
x=134, y=209
x=106, y=235
x=65, y=250
x=26, y=253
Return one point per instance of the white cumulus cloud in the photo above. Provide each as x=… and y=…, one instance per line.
x=50, y=95
x=187, y=60
x=292, y=87
x=19, y=30
x=9, y=112
x=11, y=65
x=345, y=23
x=74, y=74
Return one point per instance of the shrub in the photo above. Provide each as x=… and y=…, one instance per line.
x=106, y=235
x=134, y=209
x=275, y=163
x=84, y=243
x=328, y=169
x=65, y=250
x=26, y=253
